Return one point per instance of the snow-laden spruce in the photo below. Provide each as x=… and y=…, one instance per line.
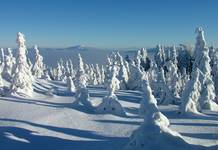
x=2, y=93
x=38, y=67
x=9, y=65
x=80, y=74
x=2, y=55
x=82, y=94
x=166, y=96
x=159, y=56
x=110, y=103
x=215, y=74
x=173, y=80
x=58, y=72
x=154, y=133
x=102, y=74
x=123, y=74
x=22, y=79
x=191, y=95
x=135, y=75
x=202, y=61
x=46, y=75
x=70, y=84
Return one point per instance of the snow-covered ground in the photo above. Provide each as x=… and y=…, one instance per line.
x=53, y=123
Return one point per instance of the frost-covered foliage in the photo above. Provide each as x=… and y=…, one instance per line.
x=98, y=74
x=173, y=80
x=46, y=75
x=2, y=93
x=166, y=96
x=9, y=65
x=173, y=55
x=191, y=95
x=70, y=84
x=38, y=66
x=80, y=74
x=122, y=74
x=202, y=62
x=215, y=74
x=159, y=83
x=113, y=79
x=110, y=103
x=2, y=55
x=58, y=72
x=212, y=55
x=184, y=58
x=102, y=74
x=155, y=129
x=22, y=78
x=159, y=56
x=82, y=94
x=135, y=76
x=141, y=58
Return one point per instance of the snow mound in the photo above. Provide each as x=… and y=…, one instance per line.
x=155, y=137
x=111, y=105
x=154, y=133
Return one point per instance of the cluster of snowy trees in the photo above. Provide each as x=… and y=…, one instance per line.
x=199, y=93
x=181, y=75
x=168, y=72
x=19, y=71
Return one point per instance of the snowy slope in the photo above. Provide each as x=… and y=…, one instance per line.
x=52, y=123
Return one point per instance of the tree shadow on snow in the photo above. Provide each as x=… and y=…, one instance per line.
x=36, y=102
x=120, y=122
x=36, y=142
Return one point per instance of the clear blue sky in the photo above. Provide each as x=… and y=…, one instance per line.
x=107, y=23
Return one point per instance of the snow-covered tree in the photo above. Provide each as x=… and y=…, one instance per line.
x=98, y=73
x=184, y=58
x=174, y=82
x=215, y=74
x=72, y=71
x=202, y=61
x=46, y=75
x=30, y=63
x=70, y=84
x=113, y=79
x=154, y=133
x=159, y=57
x=110, y=103
x=122, y=74
x=82, y=94
x=108, y=68
x=38, y=66
x=80, y=74
x=58, y=72
x=9, y=65
x=2, y=93
x=102, y=74
x=212, y=55
x=135, y=76
x=2, y=55
x=22, y=78
x=191, y=95
x=173, y=55
x=67, y=69
x=166, y=96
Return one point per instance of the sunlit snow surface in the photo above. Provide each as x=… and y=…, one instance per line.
x=52, y=122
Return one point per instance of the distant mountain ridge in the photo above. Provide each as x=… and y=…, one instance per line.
x=89, y=54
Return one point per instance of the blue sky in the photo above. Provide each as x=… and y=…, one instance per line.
x=107, y=23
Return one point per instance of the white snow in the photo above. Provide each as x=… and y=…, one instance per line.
x=54, y=123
